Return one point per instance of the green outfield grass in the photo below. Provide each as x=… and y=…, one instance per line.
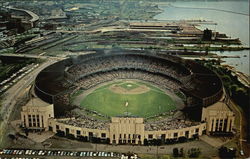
x=150, y=103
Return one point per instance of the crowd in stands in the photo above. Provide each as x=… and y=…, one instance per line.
x=127, y=61
x=102, y=77
x=85, y=122
x=168, y=124
x=62, y=99
x=94, y=71
x=91, y=123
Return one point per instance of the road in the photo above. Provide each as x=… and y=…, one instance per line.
x=239, y=114
x=34, y=17
x=11, y=95
x=33, y=56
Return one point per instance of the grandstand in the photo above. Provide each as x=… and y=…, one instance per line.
x=198, y=87
x=169, y=72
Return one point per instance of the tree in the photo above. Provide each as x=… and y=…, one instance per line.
x=182, y=139
x=175, y=152
x=195, y=136
x=181, y=154
x=155, y=142
x=80, y=138
x=185, y=50
x=158, y=142
x=226, y=153
x=11, y=136
x=98, y=140
x=207, y=50
x=108, y=141
x=60, y=133
x=26, y=131
x=194, y=152
x=145, y=142
x=85, y=138
x=71, y=136
x=233, y=88
x=167, y=141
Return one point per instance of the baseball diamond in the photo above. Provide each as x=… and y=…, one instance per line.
x=142, y=99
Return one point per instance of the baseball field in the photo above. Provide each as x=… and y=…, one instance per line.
x=129, y=97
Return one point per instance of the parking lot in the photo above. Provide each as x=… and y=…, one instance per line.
x=37, y=154
x=18, y=158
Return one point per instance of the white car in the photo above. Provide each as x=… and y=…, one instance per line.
x=26, y=152
x=90, y=154
x=241, y=152
x=81, y=154
x=40, y=152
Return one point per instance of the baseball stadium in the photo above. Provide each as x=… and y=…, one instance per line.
x=128, y=97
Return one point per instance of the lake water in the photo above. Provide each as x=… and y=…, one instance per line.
x=232, y=24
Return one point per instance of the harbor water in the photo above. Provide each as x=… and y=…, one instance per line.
x=232, y=18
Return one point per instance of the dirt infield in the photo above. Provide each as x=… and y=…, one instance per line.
x=139, y=90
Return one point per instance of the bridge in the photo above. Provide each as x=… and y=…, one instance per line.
x=33, y=16
x=32, y=56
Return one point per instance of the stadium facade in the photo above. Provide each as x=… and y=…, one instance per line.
x=206, y=110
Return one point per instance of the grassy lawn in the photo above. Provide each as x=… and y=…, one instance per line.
x=150, y=103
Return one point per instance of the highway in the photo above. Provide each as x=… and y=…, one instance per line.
x=33, y=56
x=240, y=115
x=33, y=16
x=11, y=95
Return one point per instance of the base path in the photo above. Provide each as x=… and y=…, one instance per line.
x=120, y=90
